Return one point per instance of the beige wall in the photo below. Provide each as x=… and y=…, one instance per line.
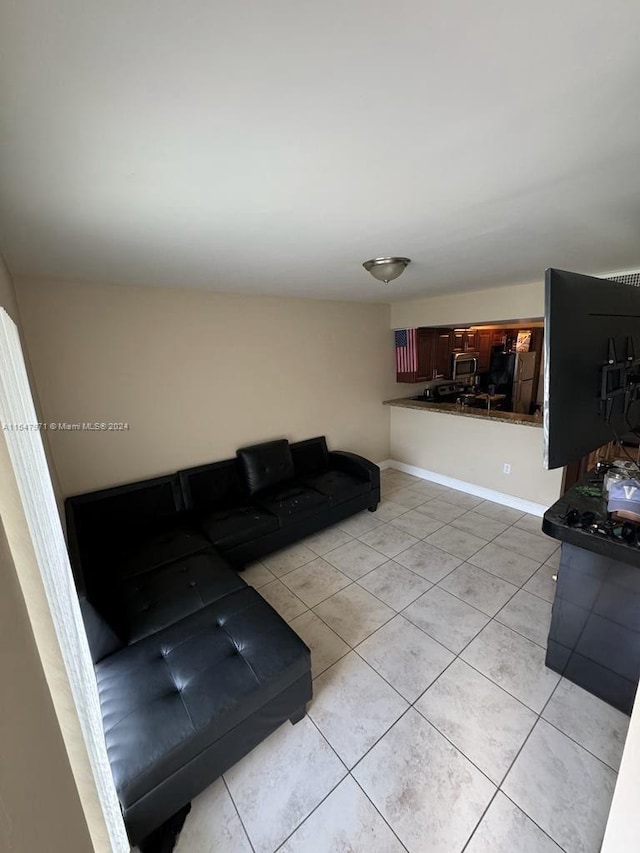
x=197, y=375
x=521, y=301
x=8, y=301
x=7, y=294
x=39, y=804
x=475, y=451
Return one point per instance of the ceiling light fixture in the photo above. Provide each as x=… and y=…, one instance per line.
x=386, y=269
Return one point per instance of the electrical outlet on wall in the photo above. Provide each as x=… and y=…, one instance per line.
x=506, y=468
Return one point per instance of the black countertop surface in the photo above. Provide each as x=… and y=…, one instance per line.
x=554, y=523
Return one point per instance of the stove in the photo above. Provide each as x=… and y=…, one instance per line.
x=441, y=391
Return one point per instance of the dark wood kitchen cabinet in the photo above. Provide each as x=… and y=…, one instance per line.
x=485, y=342
x=425, y=353
x=458, y=340
x=442, y=358
x=434, y=354
x=463, y=340
x=471, y=341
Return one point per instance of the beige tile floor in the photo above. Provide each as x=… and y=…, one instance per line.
x=435, y=726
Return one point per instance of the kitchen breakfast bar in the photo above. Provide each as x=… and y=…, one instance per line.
x=496, y=454
x=468, y=412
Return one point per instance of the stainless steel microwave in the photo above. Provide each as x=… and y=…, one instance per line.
x=464, y=365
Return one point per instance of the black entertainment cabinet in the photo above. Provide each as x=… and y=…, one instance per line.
x=594, y=638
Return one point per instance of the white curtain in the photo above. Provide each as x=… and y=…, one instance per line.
x=32, y=474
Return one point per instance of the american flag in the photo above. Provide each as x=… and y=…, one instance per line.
x=406, y=351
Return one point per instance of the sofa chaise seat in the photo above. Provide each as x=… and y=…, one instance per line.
x=182, y=705
x=153, y=600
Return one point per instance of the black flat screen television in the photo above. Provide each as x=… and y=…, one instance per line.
x=582, y=316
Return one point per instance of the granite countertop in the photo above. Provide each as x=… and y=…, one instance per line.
x=453, y=409
x=554, y=523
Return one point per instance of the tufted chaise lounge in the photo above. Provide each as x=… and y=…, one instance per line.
x=183, y=705
x=194, y=668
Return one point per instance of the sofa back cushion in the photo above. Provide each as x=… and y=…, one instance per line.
x=99, y=522
x=266, y=464
x=310, y=456
x=127, y=509
x=214, y=486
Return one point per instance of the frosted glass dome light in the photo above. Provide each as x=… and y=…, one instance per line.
x=386, y=269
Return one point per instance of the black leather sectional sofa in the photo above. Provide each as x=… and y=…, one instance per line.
x=194, y=668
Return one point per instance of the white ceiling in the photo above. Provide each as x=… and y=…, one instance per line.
x=271, y=147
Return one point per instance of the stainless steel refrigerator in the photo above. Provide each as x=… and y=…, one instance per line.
x=512, y=374
x=523, y=390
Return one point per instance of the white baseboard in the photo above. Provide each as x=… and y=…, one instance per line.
x=480, y=491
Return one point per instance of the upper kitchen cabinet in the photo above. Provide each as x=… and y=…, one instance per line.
x=434, y=351
x=463, y=340
x=471, y=340
x=442, y=359
x=484, y=340
x=458, y=340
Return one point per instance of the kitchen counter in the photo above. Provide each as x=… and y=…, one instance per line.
x=453, y=409
x=555, y=523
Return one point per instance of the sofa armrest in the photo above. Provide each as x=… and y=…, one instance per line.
x=103, y=640
x=351, y=463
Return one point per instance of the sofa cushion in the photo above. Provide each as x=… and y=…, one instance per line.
x=310, y=456
x=154, y=547
x=266, y=464
x=154, y=600
x=170, y=696
x=338, y=485
x=107, y=522
x=129, y=507
x=213, y=486
x=229, y=527
x=291, y=502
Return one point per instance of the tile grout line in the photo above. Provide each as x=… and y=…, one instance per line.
x=466, y=561
x=412, y=704
x=497, y=786
x=327, y=795
x=395, y=613
x=353, y=648
x=233, y=802
x=539, y=716
x=486, y=542
x=491, y=618
x=572, y=739
x=481, y=818
x=400, y=612
x=348, y=774
x=377, y=810
x=512, y=764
